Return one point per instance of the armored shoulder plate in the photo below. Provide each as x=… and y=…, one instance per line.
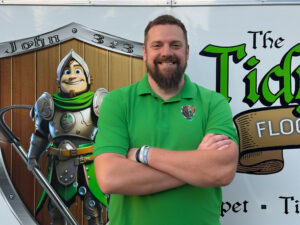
x=98, y=98
x=44, y=106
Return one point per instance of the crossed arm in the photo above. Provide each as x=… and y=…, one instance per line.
x=213, y=163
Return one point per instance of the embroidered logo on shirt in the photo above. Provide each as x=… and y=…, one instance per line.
x=188, y=111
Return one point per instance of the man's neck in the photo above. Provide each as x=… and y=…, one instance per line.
x=165, y=94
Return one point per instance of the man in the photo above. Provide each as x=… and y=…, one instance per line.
x=165, y=145
x=69, y=117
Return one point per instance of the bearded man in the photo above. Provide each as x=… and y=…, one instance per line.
x=69, y=117
x=166, y=145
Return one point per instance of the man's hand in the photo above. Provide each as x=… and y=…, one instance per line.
x=214, y=141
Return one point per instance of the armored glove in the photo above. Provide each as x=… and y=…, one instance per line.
x=38, y=145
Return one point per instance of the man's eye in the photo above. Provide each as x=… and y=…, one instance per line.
x=155, y=45
x=176, y=45
x=77, y=71
x=67, y=72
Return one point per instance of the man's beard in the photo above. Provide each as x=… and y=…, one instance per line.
x=166, y=82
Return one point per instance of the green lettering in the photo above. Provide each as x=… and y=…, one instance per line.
x=251, y=96
x=282, y=74
x=222, y=65
x=296, y=75
x=250, y=80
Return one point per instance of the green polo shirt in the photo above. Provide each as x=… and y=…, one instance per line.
x=134, y=116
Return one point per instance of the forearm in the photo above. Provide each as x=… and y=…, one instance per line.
x=118, y=175
x=200, y=168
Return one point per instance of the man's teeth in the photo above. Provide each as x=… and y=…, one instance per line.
x=169, y=63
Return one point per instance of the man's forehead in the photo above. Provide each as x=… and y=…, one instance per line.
x=158, y=32
x=162, y=27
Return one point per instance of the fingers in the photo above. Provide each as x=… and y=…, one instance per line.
x=223, y=144
x=215, y=141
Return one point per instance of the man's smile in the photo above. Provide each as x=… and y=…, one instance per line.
x=170, y=60
x=166, y=63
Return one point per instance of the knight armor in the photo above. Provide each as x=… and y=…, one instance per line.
x=78, y=124
x=70, y=130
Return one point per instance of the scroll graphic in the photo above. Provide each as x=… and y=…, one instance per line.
x=264, y=134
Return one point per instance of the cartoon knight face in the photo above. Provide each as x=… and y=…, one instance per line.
x=73, y=79
x=73, y=75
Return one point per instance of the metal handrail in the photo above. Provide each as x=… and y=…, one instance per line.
x=11, y=138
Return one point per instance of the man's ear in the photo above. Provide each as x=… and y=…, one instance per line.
x=144, y=53
x=187, y=52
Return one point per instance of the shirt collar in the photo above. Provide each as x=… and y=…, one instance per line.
x=144, y=87
x=188, y=91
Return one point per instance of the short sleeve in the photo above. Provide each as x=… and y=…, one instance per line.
x=112, y=135
x=220, y=117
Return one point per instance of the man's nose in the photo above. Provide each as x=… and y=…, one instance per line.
x=166, y=50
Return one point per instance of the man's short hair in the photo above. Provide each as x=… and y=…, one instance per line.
x=165, y=20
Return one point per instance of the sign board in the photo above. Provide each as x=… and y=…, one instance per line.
x=248, y=52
